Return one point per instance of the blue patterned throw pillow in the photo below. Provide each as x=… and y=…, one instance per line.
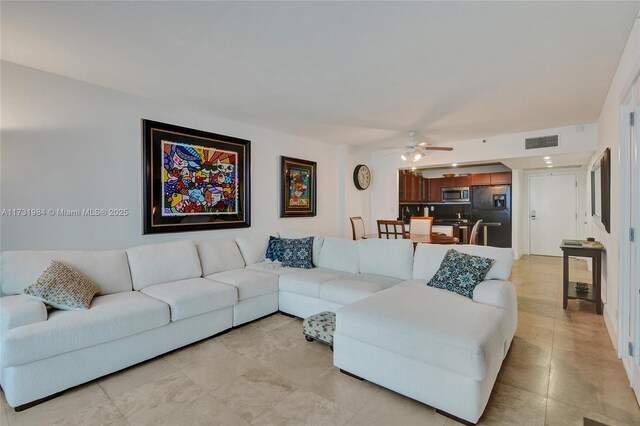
x=274, y=249
x=296, y=253
x=461, y=273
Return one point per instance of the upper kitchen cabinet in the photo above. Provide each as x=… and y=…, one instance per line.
x=424, y=187
x=501, y=178
x=412, y=188
x=480, y=179
x=462, y=181
x=435, y=190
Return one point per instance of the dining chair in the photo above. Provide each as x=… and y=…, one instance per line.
x=420, y=225
x=391, y=229
x=357, y=227
x=473, y=238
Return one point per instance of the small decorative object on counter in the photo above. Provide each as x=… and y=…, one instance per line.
x=582, y=287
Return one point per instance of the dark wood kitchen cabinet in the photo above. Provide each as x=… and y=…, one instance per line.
x=462, y=181
x=435, y=190
x=424, y=189
x=501, y=178
x=410, y=187
x=480, y=179
x=448, y=182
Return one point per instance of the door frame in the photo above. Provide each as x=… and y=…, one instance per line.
x=546, y=172
x=629, y=103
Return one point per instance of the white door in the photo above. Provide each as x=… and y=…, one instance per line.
x=552, y=212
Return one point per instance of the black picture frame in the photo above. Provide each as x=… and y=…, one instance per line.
x=194, y=180
x=601, y=184
x=298, y=187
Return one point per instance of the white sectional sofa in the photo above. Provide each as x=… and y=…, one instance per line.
x=160, y=297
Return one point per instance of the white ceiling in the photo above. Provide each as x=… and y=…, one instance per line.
x=355, y=73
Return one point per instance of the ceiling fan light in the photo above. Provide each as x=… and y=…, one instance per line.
x=403, y=156
x=417, y=156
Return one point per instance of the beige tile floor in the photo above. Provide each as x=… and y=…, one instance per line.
x=561, y=367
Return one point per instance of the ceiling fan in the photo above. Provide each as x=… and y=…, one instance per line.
x=415, y=150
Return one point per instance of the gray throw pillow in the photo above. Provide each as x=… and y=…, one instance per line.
x=460, y=273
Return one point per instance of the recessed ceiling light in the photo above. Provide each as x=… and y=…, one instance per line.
x=413, y=168
x=454, y=165
x=548, y=161
x=546, y=158
x=549, y=166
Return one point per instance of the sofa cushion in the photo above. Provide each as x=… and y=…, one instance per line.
x=391, y=258
x=111, y=317
x=163, y=263
x=428, y=257
x=219, y=255
x=430, y=325
x=253, y=248
x=460, y=273
x=340, y=254
x=249, y=283
x=308, y=281
x=19, y=310
x=351, y=288
x=318, y=240
x=109, y=269
x=195, y=296
x=63, y=287
x=273, y=268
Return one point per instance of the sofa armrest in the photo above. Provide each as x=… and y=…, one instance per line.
x=19, y=310
x=501, y=294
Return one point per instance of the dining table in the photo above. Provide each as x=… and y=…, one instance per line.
x=425, y=239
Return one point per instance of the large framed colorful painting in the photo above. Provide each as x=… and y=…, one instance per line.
x=194, y=180
x=298, y=187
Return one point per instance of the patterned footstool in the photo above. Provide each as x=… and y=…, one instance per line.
x=320, y=327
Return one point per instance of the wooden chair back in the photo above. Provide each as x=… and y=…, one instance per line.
x=473, y=238
x=421, y=225
x=357, y=227
x=391, y=229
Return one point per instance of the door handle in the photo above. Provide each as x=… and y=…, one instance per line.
x=532, y=215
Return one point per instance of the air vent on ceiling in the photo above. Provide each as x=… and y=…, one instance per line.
x=541, y=142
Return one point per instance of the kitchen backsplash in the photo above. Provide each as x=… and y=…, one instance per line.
x=440, y=211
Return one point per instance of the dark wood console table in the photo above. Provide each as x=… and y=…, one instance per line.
x=582, y=248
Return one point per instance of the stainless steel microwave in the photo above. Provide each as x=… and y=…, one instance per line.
x=455, y=195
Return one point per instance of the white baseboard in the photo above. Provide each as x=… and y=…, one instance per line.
x=612, y=328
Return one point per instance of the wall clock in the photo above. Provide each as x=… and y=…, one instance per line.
x=361, y=177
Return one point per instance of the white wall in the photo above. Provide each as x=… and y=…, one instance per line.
x=384, y=197
x=609, y=136
x=67, y=144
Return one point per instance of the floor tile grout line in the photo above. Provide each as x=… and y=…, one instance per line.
x=112, y=401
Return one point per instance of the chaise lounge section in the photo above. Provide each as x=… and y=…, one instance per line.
x=432, y=345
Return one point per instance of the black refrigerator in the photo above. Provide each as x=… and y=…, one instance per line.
x=492, y=204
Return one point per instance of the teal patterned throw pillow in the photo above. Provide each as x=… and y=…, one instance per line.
x=461, y=273
x=274, y=249
x=296, y=253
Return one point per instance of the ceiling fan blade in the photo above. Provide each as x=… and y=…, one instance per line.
x=437, y=148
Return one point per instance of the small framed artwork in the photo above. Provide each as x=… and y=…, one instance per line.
x=194, y=180
x=298, y=187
